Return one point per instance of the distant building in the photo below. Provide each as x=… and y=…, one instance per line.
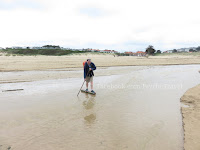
x=78, y=49
x=187, y=49
x=109, y=51
x=36, y=48
x=1, y=48
x=140, y=53
x=97, y=50
x=113, y=51
x=181, y=50
x=17, y=47
x=129, y=53
x=168, y=51
x=101, y=51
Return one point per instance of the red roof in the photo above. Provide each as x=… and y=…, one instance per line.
x=140, y=52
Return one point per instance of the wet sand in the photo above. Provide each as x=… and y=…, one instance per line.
x=191, y=118
x=135, y=108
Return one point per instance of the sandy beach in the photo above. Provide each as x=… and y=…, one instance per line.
x=48, y=114
x=191, y=118
x=66, y=66
x=24, y=63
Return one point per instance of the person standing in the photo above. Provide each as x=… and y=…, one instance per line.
x=89, y=67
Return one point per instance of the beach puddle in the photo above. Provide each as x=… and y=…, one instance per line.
x=138, y=109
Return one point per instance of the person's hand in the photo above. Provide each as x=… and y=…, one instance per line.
x=85, y=79
x=90, y=69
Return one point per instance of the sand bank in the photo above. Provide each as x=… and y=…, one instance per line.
x=191, y=118
x=23, y=63
x=61, y=67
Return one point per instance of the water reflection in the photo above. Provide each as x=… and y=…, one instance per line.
x=89, y=109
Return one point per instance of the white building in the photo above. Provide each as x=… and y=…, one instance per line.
x=185, y=49
x=181, y=50
x=36, y=48
x=169, y=51
x=79, y=49
x=17, y=47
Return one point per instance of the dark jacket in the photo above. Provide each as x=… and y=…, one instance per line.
x=86, y=69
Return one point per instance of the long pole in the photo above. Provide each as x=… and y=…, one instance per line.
x=81, y=87
x=83, y=83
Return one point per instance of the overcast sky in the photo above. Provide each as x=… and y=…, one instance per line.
x=123, y=25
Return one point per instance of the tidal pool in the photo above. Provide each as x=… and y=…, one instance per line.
x=137, y=108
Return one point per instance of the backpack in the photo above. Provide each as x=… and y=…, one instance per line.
x=84, y=63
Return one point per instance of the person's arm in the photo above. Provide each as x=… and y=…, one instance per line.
x=93, y=67
x=85, y=71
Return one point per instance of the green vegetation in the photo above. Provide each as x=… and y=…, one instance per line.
x=7, y=55
x=150, y=50
x=121, y=54
x=51, y=46
x=158, y=52
x=53, y=52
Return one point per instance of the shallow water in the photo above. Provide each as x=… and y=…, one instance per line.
x=134, y=109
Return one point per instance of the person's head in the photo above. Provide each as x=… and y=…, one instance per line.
x=88, y=61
